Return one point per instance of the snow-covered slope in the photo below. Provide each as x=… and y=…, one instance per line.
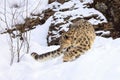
x=99, y=63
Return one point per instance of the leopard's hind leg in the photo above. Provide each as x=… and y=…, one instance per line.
x=72, y=54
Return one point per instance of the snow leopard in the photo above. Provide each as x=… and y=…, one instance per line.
x=73, y=43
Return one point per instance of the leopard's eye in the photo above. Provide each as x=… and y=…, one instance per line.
x=66, y=36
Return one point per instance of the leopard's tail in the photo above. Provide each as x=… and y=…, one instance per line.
x=46, y=56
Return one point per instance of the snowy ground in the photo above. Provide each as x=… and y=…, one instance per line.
x=99, y=63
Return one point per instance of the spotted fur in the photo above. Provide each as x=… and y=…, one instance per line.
x=73, y=43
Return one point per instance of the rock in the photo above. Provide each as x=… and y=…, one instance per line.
x=60, y=1
x=111, y=10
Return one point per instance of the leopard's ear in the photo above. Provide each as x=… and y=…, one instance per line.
x=71, y=25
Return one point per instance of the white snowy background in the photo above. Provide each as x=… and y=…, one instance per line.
x=102, y=62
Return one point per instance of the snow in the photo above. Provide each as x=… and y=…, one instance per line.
x=41, y=29
x=101, y=62
x=103, y=32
